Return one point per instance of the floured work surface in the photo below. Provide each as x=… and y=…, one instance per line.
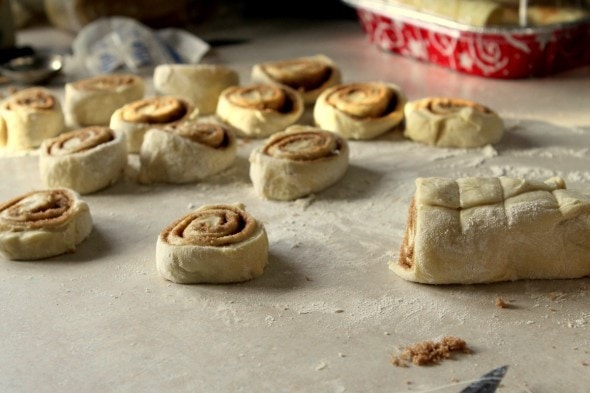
x=327, y=315
x=326, y=308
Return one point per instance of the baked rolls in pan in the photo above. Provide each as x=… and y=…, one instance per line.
x=488, y=229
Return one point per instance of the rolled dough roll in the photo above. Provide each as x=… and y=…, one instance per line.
x=213, y=244
x=185, y=152
x=308, y=75
x=297, y=162
x=259, y=110
x=84, y=160
x=451, y=122
x=362, y=110
x=135, y=118
x=201, y=84
x=487, y=229
x=93, y=101
x=42, y=224
x=29, y=116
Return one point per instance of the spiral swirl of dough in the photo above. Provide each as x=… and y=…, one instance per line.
x=260, y=97
x=216, y=226
x=363, y=99
x=33, y=98
x=38, y=209
x=107, y=82
x=446, y=106
x=79, y=140
x=305, y=74
x=303, y=146
x=155, y=110
x=209, y=134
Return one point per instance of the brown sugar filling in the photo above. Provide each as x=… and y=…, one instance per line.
x=406, y=257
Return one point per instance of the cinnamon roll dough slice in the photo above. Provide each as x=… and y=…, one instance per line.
x=29, y=116
x=451, y=122
x=213, y=244
x=259, y=110
x=297, y=162
x=199, y=83
x=42, y=224
x=93, y=101
x=185, y=152
x=481, y=230
x=85, y=160
x=308, y=75
x=135, y=118
x=361, y=110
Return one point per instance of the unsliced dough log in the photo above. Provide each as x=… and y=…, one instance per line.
x=201, y=84
x=28, y=117
x=481, y=230
x=137, y=117
x=213, y=244
x=92, y=101
x=308, y=75
x=259, y=110
x=451, y=122
x=186, y=152
x=362, y=110
x=42, y=224
x=297, y=162
x=85, y=160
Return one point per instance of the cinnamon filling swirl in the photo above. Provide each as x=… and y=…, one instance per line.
x=38, y=209
x=406, y=257
x=303, y=146
x=106, y=82
x=208, y=134
x=216, y=226
x=262, y=97
x=444, y=106
x=364, y=100
x=300, y=74
x=80, y=140
x=155, y=110
x=32, y=98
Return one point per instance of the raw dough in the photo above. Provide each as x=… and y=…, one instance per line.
x=85, y=160
x=42, y=224
x=29, y=116
x=259, y=110
x=451, y=122
x=362, y=110
x=93, y=101
x=487, y=229
x=135, y=118
x=213, y=244
x=199, y=83
x=185, y=152
x=308, y=75
x=297, y=162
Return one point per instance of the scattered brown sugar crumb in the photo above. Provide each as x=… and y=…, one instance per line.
x=430, y=352
x=307, y=278
x=584, y=363
x=501, y=303
x=556, y=296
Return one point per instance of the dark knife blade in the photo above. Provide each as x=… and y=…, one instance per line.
x=487, y=383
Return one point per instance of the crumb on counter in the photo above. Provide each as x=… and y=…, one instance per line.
x=501, y=303
x=430, y=352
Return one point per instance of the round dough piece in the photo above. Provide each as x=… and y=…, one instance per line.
x=85, y=160
x=297, y=162
x=213, y=244
x=362, y=110
x=135, y=118
x=199, y=83
x=42, y=224
x=186, y=152
x=259, y=110
x=93, y=101
x=308, y=75
x=452, y=122
x=28, y=117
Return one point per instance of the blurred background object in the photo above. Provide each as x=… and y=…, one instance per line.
x=6, y=25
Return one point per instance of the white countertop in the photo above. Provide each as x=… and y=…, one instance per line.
x=327, y=314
